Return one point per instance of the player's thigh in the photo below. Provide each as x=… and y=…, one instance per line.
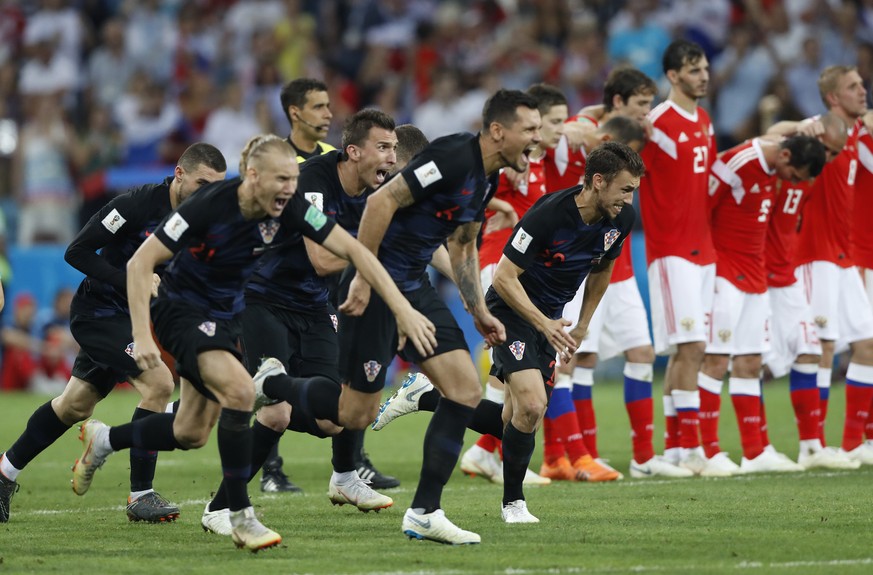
x=681, y=296
x=196, y=416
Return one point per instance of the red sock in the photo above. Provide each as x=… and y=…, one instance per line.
x=640, y=411
x=488, y=442
x=552, y=448
x=805, y=400
x=745, y=395
x=687, y=407
x=765, y=437
x=710, y=408
x=823, y=382
x=859, y=395
x=587, y=422
x=868, y=429
x=671, y=424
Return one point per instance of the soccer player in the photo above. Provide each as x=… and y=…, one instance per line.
x=862, y=233
x=824, y=255
x=439, y=197
x=794, y=346
x=217, y=240
x=673, y=203
x=513, y=198
x=742, y=189
x=101, y=325
x=565, y=236
x=290, y=323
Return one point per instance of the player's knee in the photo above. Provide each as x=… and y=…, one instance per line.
x=72, y=411
x=191, y=438
x=328, y=428
x=468, y=395
x=239, y=397
x=275, y=417
x=528, y=414
x=360, y=419
x=692, y=351
x=157, y=392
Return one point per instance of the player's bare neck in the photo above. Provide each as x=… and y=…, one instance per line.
x=347, y=171
x=492, y=159
x=248, y=207
x=587, y=205
x=302, y=143
x=683, y=101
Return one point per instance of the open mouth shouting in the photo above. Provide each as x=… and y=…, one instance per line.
x=381, y=176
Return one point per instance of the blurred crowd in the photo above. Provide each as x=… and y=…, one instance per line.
x=91, y=85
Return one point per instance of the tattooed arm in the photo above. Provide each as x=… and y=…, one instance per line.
x=465, y=264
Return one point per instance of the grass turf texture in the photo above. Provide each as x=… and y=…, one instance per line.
x=813, y=522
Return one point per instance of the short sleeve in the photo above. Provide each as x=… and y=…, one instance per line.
x=444, y=165
x=530, y=236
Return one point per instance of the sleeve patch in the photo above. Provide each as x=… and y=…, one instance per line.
x=316, y=199
x=428, y=174
x=113, y=221
x=521, y=240
x=315, y=218
x=175, y=227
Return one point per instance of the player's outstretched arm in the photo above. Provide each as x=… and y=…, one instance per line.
x=410, y=323
x=324, y=261
x=508, y=287
x=140, y=283
x=442, y=263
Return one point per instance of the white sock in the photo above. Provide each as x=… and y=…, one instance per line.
x=494, y=394
x=10, y=471
x=345, y=477
x=810, y=446
x=134, y=495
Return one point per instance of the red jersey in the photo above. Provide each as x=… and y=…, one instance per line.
x=565, y=167
x=624, y=264
x=825, y=232
x=862, y=231
x=788, y=203
x=741, y=190
x=521, y=199
x=673, y=193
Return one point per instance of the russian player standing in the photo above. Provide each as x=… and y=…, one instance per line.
x=681, y=257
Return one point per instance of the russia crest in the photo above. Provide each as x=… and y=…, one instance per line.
x=207, y=327
x=517, y=349
x=372, y=369
x=268, y=230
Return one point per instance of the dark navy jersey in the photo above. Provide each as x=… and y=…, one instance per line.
x=450, y=188
x=319, y=182
x=557, y=250
x=217, y=249
x=117, y=230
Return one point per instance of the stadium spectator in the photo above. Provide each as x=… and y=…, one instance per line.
x=20, y=345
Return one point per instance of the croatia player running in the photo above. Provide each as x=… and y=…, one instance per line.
x=675, y=211
x=742, y=188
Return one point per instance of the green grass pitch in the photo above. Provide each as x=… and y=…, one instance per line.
x=813, y=522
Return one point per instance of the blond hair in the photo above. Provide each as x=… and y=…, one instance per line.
x=258, y=146
x=828, y=80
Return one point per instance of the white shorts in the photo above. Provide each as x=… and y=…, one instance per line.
x=867, y=280
x=619, y=323
x=840, y=307
x=681, y=296
x=791, y=328
x=738, y=321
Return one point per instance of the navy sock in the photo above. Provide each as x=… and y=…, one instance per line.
x=264, y=440
x=488, y=419
x=343, y=447
x=442, y=446
x=235, y=451
x=142, y=461
x=272, y=459
x=154, y=433
x=518, y=447
x=43, y=428
x=429, y=400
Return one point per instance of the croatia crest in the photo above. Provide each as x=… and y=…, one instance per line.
x=609, y=239
x=268, y=230
x=207, y=327
x=517, y=349
x=333, y=320
x=372, y=369
x=129, y=349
